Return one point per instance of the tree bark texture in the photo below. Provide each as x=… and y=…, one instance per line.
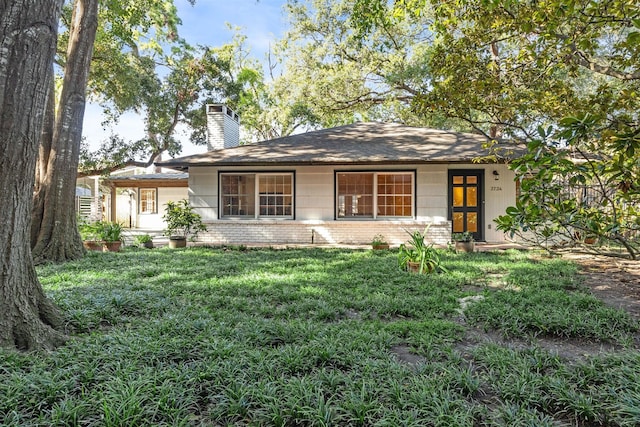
x=46, y=138
x=54, y=217
x=28, y=31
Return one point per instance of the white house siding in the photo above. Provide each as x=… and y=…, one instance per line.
x=498, y=195
x=315, y=204
x=165, y=194
x=126, y=210
x=431, y=189
x=203, y=192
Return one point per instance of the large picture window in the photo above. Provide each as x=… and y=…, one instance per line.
x=148, y=201
x=257, y=195
x=374, y=194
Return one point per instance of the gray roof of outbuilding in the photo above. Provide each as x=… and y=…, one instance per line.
x=358, y=143
x=150, y=176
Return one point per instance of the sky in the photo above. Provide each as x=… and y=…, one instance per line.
x=205, y=23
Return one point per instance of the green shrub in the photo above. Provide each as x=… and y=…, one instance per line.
x=181, y=220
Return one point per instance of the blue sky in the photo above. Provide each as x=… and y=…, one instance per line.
x=204, y=23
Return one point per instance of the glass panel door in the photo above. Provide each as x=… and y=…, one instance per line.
x=465, y=201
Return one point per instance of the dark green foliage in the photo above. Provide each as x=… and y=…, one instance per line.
x=206, y=336
x=181, y=220
x=101, y=231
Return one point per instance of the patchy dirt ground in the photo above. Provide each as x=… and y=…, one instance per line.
x=615, y=281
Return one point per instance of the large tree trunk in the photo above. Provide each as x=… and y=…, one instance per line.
x=54, y=217
x=46, y=138
x=28, y=31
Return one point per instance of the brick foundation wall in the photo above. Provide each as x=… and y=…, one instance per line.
x=319, y=232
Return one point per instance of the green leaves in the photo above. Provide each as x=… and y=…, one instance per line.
x=424, y=256
x=584, y=188
x=181, y=220
x=313, y=336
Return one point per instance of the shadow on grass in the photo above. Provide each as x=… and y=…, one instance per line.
x=306, y=337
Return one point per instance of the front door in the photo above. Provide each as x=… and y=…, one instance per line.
x=465, y=201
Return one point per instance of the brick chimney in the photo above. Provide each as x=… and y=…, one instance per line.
x=223, y=127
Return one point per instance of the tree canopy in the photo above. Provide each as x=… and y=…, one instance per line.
x=562, y=76
x=327, y=73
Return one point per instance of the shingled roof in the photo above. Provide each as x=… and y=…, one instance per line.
x=358, y=143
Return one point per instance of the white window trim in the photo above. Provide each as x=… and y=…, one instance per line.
x=256, y=200
x=412, y=174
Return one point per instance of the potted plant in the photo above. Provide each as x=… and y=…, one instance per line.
x=143, y=241
x=110, y=234
x=379, y=242
x=419, y=257
x=182, y=222
x=586, y=232
x=89, y=236
x=464, y=242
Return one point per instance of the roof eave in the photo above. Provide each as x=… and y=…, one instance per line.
x=183, y=166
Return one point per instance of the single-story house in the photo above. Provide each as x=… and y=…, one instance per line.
x=344, y=185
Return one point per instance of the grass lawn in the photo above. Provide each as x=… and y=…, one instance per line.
x=323, y=337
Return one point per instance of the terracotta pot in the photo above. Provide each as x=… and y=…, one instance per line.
x=380, y=246
x=92, y=245
x=465, y=246
x=111, y=246
x=177, y=242
x=413, y=267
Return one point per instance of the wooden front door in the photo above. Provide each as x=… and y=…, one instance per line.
x=466, y=202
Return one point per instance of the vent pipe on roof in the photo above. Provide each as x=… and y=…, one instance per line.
x=223, y=127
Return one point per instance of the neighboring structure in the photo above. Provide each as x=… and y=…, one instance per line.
x=137, y=201
x=346, y=184
x=88, y=198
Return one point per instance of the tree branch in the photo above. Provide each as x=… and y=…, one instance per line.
x=583, y=60
x=114, y=167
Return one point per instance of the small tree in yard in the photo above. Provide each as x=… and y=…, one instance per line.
x=181, y=220
x=579, y=182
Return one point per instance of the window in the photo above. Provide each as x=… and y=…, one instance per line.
x=238, y=195
x=355, y=195
x=276, y=196
x=257, y=195
x=148, y=198
x=395, y=194
x=374, y=194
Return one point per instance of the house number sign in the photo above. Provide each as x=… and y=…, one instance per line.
x=496, y=188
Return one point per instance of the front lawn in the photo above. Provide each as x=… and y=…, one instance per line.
x=324, y=337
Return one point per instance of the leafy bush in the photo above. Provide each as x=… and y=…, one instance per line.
x=109, y=231
x=101, y=231
x=88, y=230
x=378, y=239
x=462, y=237
x=181, y=220
x=141, y=239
